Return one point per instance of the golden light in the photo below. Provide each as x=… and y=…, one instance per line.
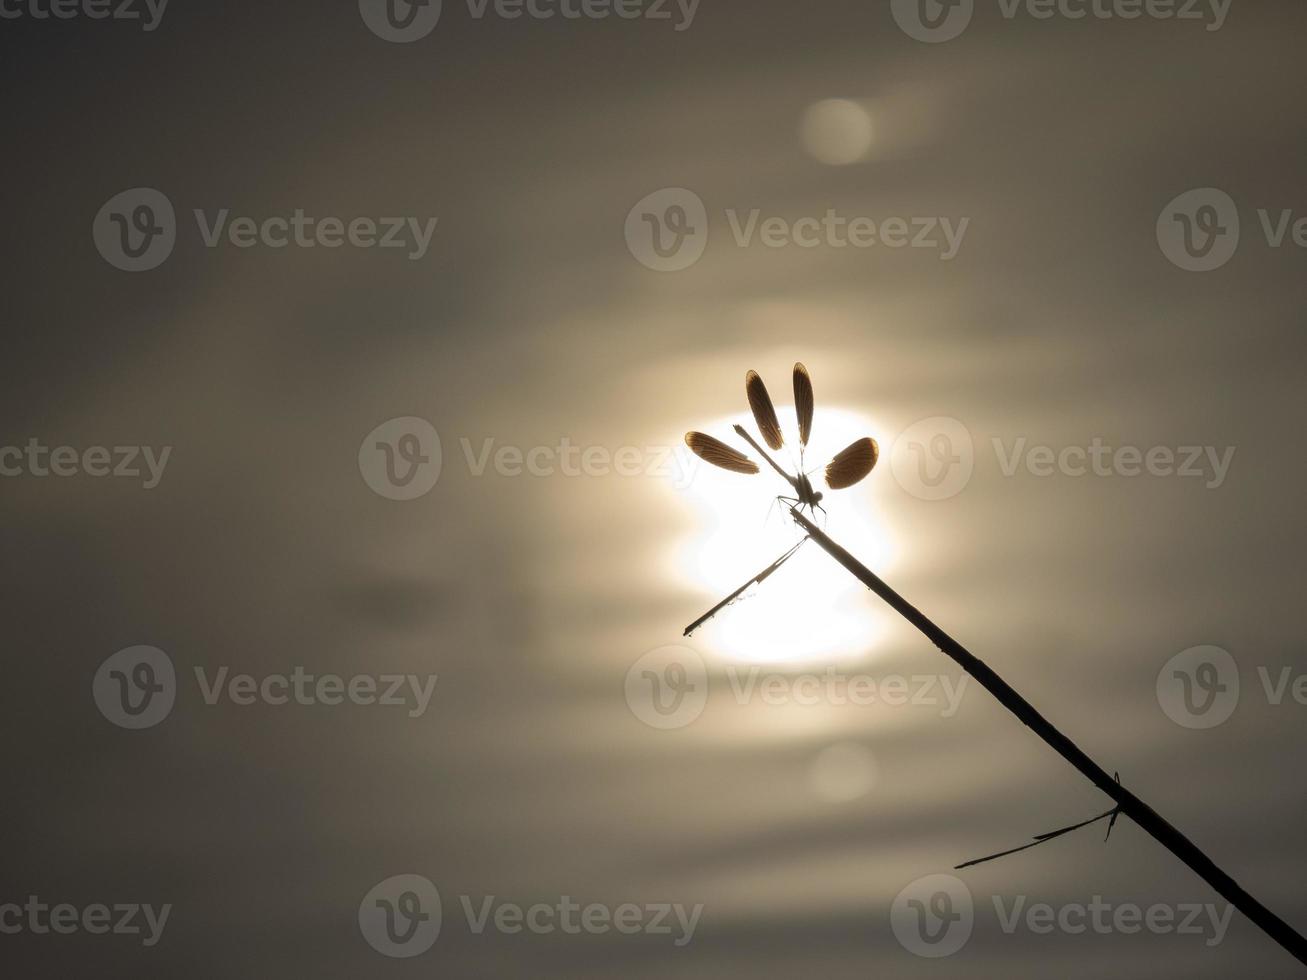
x=837, y=131
x=809, y=610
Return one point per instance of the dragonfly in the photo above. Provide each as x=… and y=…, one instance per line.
x=849, y=466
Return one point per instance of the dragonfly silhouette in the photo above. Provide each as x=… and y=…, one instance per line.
x=848, y=467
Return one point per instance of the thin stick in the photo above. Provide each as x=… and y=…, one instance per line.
x=740, y=591
x=1129, y=804
x=1039, y=839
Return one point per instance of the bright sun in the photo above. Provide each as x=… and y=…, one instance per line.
x=810, y=609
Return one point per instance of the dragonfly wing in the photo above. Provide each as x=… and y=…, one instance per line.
x=803, y=401
x=852, y=464
x=763, y=412
x=715, y=451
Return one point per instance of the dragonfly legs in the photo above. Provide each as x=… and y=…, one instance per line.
x=795, y=502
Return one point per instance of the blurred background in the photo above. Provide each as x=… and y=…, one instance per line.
x=573, y=294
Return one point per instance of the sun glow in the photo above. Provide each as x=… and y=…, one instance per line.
x=810, y=609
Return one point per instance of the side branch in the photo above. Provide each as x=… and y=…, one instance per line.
x=740, y=591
